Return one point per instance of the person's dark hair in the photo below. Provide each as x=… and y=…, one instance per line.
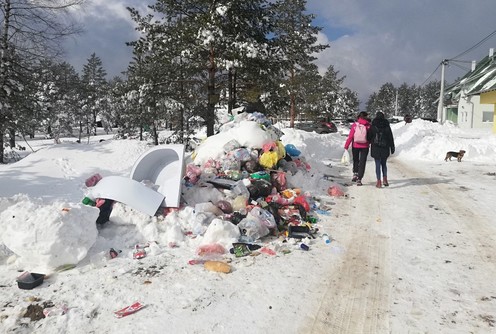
x=363, y=114
x=379, y=115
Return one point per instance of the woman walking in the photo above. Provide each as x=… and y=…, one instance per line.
x=382, y=144
x=359, y=134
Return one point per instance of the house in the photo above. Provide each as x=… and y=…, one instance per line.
x=471, y=101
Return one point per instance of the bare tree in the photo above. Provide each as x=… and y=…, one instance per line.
x=31, y=30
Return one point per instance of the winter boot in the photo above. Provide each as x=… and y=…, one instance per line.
x=384, y=181
x=378, y=184
x=359, y=182
x=355, y=177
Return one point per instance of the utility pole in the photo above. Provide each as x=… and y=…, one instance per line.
x=441, y=94
x=396, y=104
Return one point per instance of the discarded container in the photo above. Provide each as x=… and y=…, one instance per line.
x=260, y=175
x=92, y=180
x=113, y=253
x=304, y=247
x=326, y=239
x=28, y=281
x=217, y=266
x=138, y=253
x=164, y=166
x=88, y=201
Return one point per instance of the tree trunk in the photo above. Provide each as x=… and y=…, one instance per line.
x=1, y=147
x=94, y=123
x=155, y=133
x=292, y=100
x=3, y=64
x=12, y=140
x=234, y=101
x=210, y=117
x=230, y=80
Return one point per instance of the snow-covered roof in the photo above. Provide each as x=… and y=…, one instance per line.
x=481, y=79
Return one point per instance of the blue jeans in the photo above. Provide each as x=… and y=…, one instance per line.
x=378, y=164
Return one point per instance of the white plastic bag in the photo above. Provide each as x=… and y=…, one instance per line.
x=345, y=159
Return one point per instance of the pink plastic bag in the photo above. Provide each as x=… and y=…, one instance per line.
x=91, y=181
x=210, y=249
x=335, y=191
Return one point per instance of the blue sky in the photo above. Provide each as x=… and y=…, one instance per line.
x=371, y=42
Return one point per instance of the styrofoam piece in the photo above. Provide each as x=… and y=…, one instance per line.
x=130, y=192
x=163, y=165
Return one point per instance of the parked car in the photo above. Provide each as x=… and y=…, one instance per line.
x=320, y=127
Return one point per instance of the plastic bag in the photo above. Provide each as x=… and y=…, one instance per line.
x=335, y=191
x=253, y=229
x=268, y=159
x=263, y=216
x=345, y=159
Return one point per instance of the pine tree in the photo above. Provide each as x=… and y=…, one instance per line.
x=384, y=100
x=294, y=39
x=332, y=86
x=428, y=95
x=346, y=105
x=93, y=89
x=56, y=96
x=31, y=31
x=205, y=40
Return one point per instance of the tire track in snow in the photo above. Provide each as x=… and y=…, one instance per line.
x=392, y=277
x=358, y=297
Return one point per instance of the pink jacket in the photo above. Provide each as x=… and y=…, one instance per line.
x=352, y=133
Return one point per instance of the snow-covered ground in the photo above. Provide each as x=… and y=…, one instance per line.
x=417, y=256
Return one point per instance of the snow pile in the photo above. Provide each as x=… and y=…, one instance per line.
x=430, y=141
x=59, y=233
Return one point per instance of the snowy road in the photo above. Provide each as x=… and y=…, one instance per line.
x=420, y=255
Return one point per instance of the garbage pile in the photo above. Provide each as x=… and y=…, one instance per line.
x=248, y=165
x=235, y=193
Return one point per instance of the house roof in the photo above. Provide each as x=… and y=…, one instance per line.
x=481, y=79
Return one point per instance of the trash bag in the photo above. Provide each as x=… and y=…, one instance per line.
x=345, y=159
x=260, y=188
x=253, y=229
x=278, y=180
x=335, y=191
x=281, y=150
x=252, y=166
x=105, y=207
x=242, y=154
x=292, y=150
x=263, y=216
x=268, y=159
x=225, y=206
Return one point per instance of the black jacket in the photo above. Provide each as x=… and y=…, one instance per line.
x=381, y=152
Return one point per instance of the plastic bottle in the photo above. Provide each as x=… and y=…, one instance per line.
x=239, y=203
x=326, y=239
x=88, y=201
x=240, y=188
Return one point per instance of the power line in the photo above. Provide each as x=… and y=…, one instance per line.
x=430, y=76
x=475, y=46
x=454, y=59
x=461, y=67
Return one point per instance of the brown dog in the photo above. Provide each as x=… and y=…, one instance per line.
x=458, y=155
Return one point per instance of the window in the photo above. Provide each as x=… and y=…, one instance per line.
x=487, y=116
